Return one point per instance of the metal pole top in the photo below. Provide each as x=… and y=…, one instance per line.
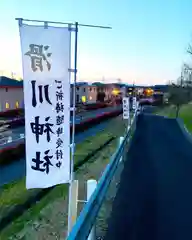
x=64, y=23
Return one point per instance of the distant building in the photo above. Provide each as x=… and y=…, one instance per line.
x=12, y=97
x=112, y=90
x=85, y=93
x=91, y=93
x=11, y=94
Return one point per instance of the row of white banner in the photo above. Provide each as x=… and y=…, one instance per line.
x=46, y=63
x=126, y=106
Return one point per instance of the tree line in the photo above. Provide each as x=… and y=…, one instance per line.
x=180, y=93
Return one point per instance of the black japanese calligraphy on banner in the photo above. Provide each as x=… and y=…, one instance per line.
x=42, y=163
x=40, y=129
x=59, y=107
x=38, y=54
x=125, y=108
x=41, y=89
x=59, y=121
x=59, y=131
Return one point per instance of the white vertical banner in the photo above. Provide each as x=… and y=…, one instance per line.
x=125, y=108
x=137, y=105
x=134, y=104
x=46, y=55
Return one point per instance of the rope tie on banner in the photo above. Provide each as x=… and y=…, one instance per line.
x=46, y=25
x=20, y=21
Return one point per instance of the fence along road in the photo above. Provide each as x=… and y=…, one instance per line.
x=88, y=216
x=155, y=195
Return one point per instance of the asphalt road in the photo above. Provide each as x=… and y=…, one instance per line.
x=154, y=199
x=14, y=134
x=17, y=169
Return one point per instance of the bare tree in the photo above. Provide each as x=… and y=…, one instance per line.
x=119, y=80
x=188, y=68
x=178, y=96
x=189, y=50
x=181, y=92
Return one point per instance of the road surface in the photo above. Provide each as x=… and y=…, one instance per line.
x=154, y=199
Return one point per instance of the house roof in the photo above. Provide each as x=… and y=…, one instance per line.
x=8, y=82
x=98, y=84
x=78, y=84
x=163, y=88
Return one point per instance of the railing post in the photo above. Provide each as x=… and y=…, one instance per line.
x=134, y=104
x=72, y=216
x=120, y=142
x=22, y=135
x=9, y=139
x=91, y=186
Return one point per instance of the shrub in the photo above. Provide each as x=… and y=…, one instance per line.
x=93, y=106
x=12, y=154
x=12, y=113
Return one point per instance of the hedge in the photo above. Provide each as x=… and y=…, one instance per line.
x=13, y=123
x=20, y=111
x=98, y=105
x=12, y=113
x=14, y=153
x=95, y=106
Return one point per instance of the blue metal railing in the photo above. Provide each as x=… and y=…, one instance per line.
x=89, y=213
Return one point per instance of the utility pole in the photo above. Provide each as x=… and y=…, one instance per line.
x=183, y=70
x=12, y=75
x=119, y=80
x=133, y=91
x=181, y=79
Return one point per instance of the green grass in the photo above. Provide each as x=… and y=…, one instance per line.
x=59, y=192
x=185, y=114
x=90, y=144
x=16, y=193
x=33, y=213
x=168, y=111
x=2, y=118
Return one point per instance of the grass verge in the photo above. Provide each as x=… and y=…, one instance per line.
x=15, y=193
x=185, y=114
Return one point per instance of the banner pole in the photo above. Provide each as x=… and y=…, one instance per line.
x=74, y=99
x=70, y=217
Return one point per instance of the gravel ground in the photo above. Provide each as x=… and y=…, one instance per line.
x=52, y=220
x=105, y=211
